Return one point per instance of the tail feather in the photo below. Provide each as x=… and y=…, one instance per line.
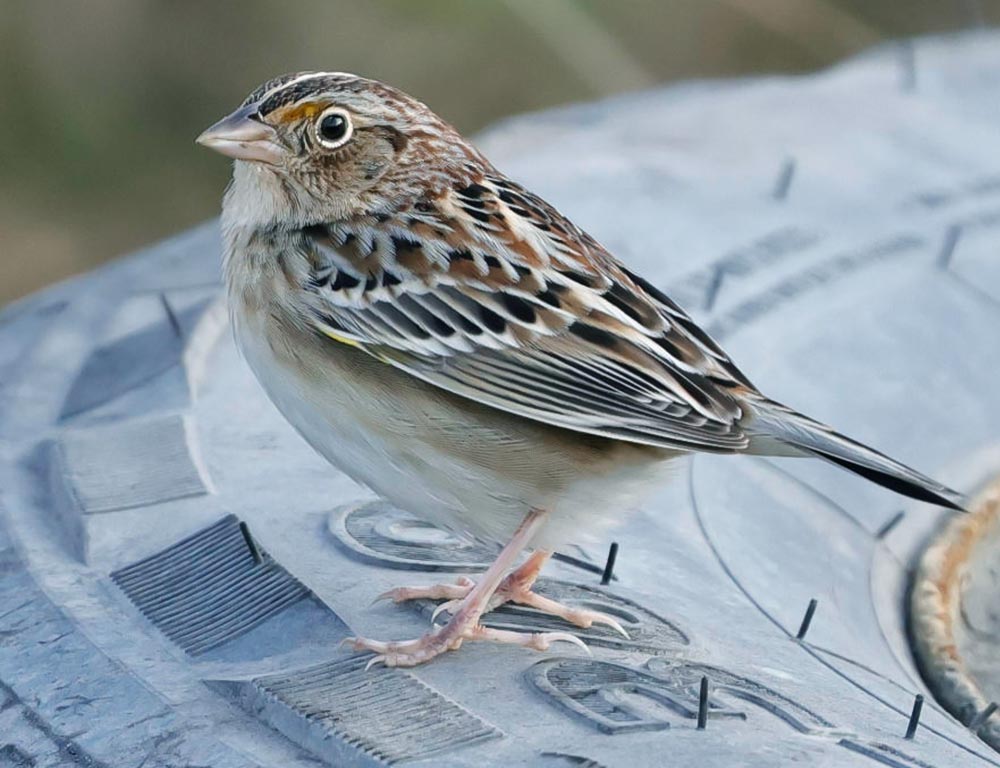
x=776, y=427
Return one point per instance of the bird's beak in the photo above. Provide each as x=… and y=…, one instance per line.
x=243, y=136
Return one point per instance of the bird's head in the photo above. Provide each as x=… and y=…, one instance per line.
x=327, y=146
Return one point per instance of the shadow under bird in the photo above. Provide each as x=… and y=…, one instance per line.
x=451, y=341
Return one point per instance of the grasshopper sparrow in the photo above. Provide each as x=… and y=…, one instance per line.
x=451, y=341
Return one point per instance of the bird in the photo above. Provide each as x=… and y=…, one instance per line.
x=450, y=340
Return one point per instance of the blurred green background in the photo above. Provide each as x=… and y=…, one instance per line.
x=101, y=99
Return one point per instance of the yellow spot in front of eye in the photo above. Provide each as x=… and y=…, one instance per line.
x=303, y=110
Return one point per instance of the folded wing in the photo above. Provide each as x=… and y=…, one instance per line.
x=491, y=294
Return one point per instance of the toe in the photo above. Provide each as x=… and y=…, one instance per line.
x=406, y=653
x=539, y=641
x=458, y=590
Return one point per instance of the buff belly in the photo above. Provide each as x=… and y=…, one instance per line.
x=446, y=459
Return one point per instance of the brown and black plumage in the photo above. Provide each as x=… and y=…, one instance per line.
x=452, y=341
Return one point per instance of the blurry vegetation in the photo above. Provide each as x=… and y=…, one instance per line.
x=101, y=99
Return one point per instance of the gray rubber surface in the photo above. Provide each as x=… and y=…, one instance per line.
x=838, y=233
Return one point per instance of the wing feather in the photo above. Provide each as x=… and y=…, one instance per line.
x=517, y=308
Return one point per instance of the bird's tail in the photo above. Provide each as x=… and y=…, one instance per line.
x=776, y=428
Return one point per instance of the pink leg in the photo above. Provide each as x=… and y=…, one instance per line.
x=464, y=624
x=516, y=588
x=520, y=581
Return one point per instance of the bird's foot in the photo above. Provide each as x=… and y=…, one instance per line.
x=515, y=588
x=580, y=617
x=410, y=653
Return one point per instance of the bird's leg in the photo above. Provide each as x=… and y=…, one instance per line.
x=515, y=588
x=517, y=581
x=464, y=623
x=520, y=581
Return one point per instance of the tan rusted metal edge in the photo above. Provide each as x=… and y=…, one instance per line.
x=935, y=613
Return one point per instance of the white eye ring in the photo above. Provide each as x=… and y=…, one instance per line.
x=334, y=128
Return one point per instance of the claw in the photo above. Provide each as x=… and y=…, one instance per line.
x=440, y=609
x=608, y=621
x=566, y=637
x=375, y=660
x=446, y=606
x=387, y=595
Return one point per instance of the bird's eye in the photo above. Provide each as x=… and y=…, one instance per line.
x=333, y=129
